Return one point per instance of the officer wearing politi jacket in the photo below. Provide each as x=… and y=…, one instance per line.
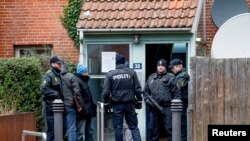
x=122, y=88
x=162, y=88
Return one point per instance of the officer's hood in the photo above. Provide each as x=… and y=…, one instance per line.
x=121, y=66
x=64, y=69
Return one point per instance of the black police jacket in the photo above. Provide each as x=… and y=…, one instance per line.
x=162, y=87
x=50, y=87
x=182, y=79
x=121, y=85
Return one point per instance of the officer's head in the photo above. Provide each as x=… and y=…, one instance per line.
x=161, y=66
x=55, y=62
x=176, y=65
x=82, y=69
x=119, y=59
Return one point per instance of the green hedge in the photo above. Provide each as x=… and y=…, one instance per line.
x=20, y=86
x=20, y=80
x=71, y=68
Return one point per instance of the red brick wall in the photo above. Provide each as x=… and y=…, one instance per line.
x=211, y=29
x=36, y=22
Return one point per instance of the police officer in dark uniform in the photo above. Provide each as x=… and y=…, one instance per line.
x=182, y=79
x=50, y=90
x=162, y=88
x=122, y=87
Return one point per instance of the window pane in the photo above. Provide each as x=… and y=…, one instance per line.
x=96, y=86
x=95, y=53
x=32, y=50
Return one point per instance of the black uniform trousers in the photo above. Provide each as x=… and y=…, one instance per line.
x=156, y=119
x=184, y=120
x=50, y=121
x=126, y=110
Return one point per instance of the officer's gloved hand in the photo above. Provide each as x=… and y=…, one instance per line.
x=107, y=107
x=138, y=104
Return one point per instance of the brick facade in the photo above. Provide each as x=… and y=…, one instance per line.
x=34, y=22
x=211, y=30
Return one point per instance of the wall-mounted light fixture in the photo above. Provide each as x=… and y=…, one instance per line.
x=136, y=39
x=198, y=39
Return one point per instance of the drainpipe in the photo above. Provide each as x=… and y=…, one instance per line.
x=81, y=55
x=204, y=26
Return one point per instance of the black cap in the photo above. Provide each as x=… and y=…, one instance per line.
x=120, y=59
x=55, y=59
x=175, y=62
x=162, y=62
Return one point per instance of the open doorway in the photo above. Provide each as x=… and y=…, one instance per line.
x=169, y=51
x=154, y=52
x=180, y=52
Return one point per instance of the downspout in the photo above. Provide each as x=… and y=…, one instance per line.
x=192, y=49
x=204, y=27
x=192, y=53
x=81, y=55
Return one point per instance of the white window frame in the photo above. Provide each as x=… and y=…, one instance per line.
x=102, y=76
x=18, y=49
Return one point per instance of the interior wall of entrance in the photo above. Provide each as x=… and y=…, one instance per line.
x=154, y=52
